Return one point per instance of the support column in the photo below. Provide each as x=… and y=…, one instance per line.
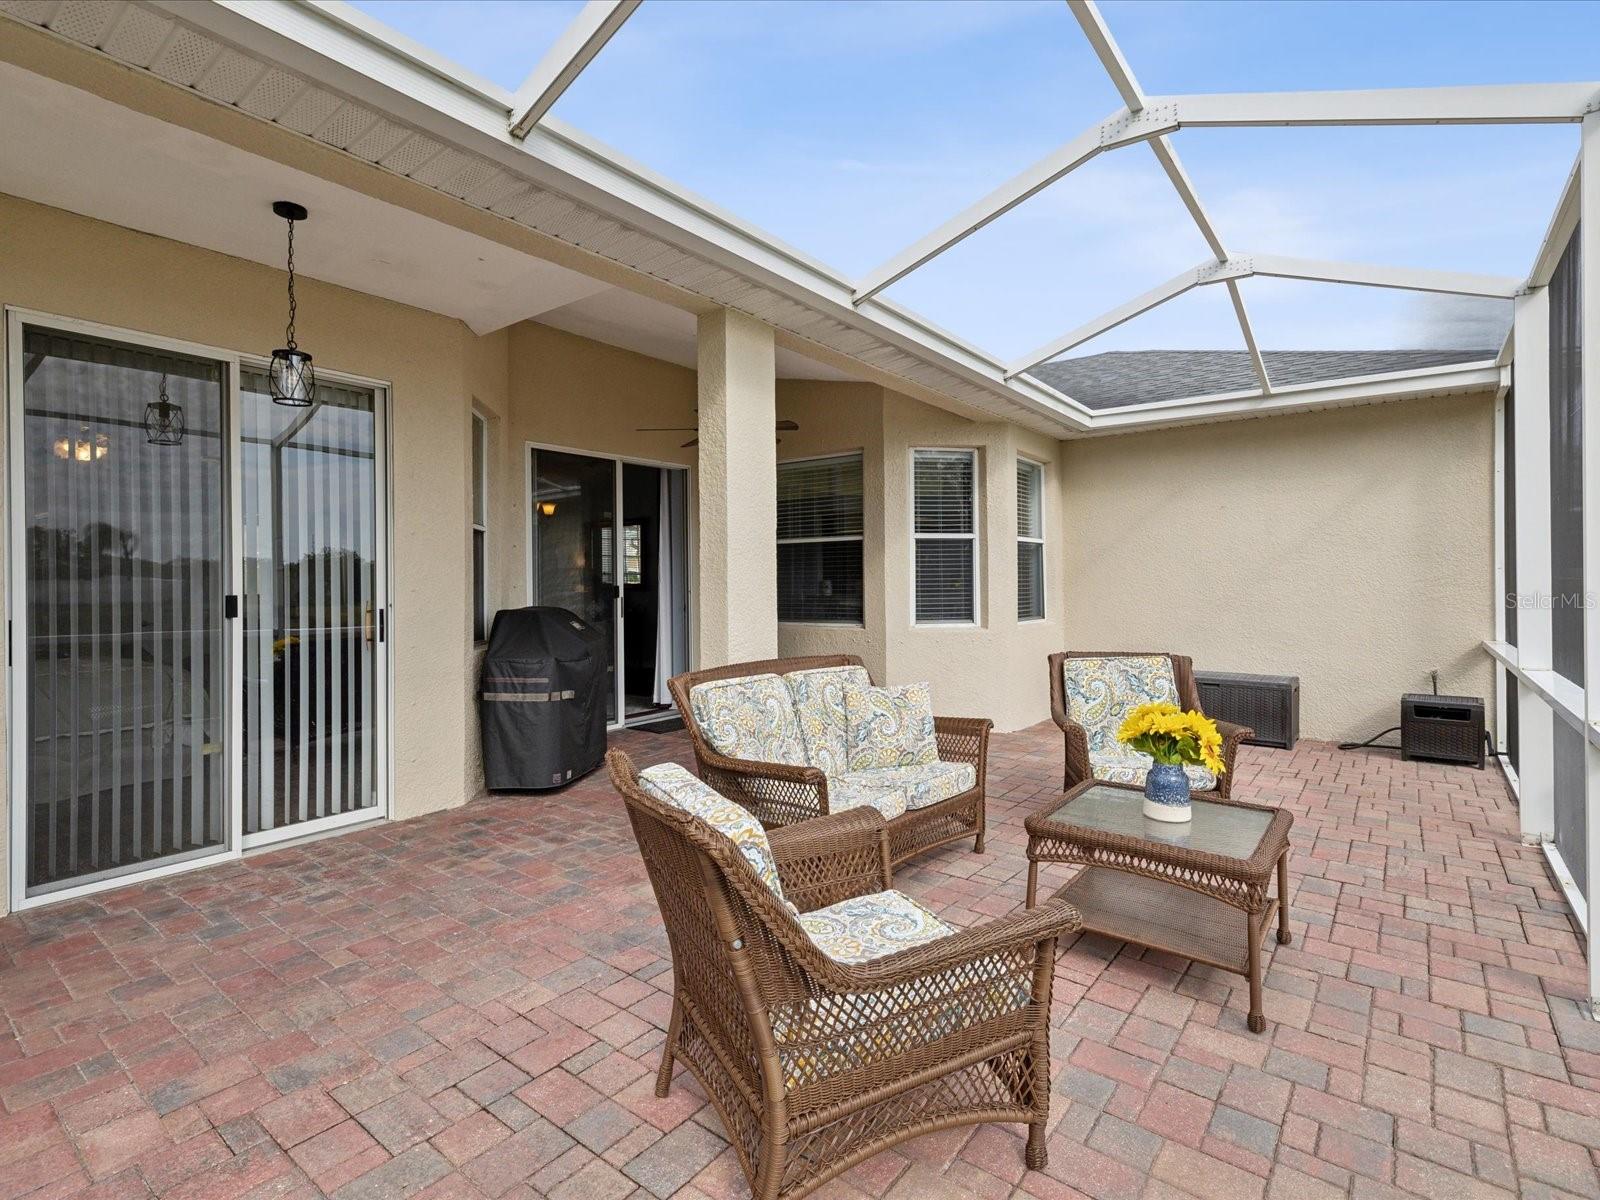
x=1535, y=766
x=738, y=490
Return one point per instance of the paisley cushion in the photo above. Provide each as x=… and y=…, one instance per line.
x=921, y=785
x=889, y=727
x=750, y=717
x=1131, y=766
x=867, y=927
x=882, y=794
x=1100, y=692
x=818, y=696
x=671, y=784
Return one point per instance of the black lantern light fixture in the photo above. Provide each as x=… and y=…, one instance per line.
x=163, y=420
x=290, y=377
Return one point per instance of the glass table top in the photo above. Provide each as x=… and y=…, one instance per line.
x=1216, y=828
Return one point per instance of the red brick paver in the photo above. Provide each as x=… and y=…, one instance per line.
x=471, y=1004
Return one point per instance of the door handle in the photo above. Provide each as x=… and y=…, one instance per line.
x=366, y=623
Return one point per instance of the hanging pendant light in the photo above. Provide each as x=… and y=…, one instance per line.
x=290, y=377
x=163, y=420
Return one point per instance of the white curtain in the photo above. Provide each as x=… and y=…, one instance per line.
x=666, y=589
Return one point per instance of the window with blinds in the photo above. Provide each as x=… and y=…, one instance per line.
x=944, y=533
x=819, y=540
x=1030, y=541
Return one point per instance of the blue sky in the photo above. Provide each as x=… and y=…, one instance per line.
x=850, y=129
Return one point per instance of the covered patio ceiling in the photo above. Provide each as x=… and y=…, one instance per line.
x=334, y=74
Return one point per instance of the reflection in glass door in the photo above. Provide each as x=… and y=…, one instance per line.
x=574, y=545
x=122, y=567
x=312, y=603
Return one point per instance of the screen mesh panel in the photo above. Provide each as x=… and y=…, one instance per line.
x=1566, y=465
x=1030, y=581
x=944, y=580
x=820, y=581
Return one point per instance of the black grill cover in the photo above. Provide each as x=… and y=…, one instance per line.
x=542, y=699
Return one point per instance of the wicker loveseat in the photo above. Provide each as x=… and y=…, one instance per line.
x=826, y=1016
x=1091, y=691
x=775, y=744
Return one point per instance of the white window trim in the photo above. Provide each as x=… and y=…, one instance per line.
x=1044, y=554
x=480, y=434
x=974, y=537
x=845, y=537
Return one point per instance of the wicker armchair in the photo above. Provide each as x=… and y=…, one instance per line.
x=782, y=794
x=1078, y=766
x=815, y=1064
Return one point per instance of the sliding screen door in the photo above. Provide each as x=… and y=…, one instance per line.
x=575, y=553
x=312, y=608
x=122, y=575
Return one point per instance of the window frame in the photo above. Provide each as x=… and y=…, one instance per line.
x=480, y=488
x=1023, y=461
x=974, y=537
x=858, y=538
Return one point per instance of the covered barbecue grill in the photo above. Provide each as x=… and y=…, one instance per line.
x=542, y=699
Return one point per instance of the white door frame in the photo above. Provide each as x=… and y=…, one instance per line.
x=234, y=843
x=619, y=688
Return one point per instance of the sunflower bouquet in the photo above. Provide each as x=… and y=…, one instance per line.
x=1174, y=737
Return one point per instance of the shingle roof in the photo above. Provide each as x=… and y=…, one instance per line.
x=1120, y=377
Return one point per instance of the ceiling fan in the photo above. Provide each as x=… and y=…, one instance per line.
x=780, y=427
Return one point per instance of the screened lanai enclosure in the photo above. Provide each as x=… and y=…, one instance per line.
x=1132, y=239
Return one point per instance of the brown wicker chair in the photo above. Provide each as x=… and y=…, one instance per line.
x=1077, y=752
x=815, y=1065
x=779, y=794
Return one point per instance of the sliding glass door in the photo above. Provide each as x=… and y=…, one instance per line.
x=608, y=542
x=123, y=561
x=198, y=581
x=314, y=620
x=575, y=545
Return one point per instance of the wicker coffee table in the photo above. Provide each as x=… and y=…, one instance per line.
x=1197, y=889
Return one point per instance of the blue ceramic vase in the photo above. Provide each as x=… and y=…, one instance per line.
x=1166, y=793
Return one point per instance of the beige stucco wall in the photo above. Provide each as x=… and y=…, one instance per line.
x=1352, y=548
x=62, y=264
x=994, y=668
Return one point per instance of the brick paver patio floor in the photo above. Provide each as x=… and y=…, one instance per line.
x=472, y=1004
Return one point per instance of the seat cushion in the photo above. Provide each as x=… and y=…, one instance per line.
x=889, y=727
x=671, y=784
x=863, y=928
x=818, y=695
x=1100, y=692
x=1131, y=767
x=750, y=717
x=884, y=795
x=921, y=786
